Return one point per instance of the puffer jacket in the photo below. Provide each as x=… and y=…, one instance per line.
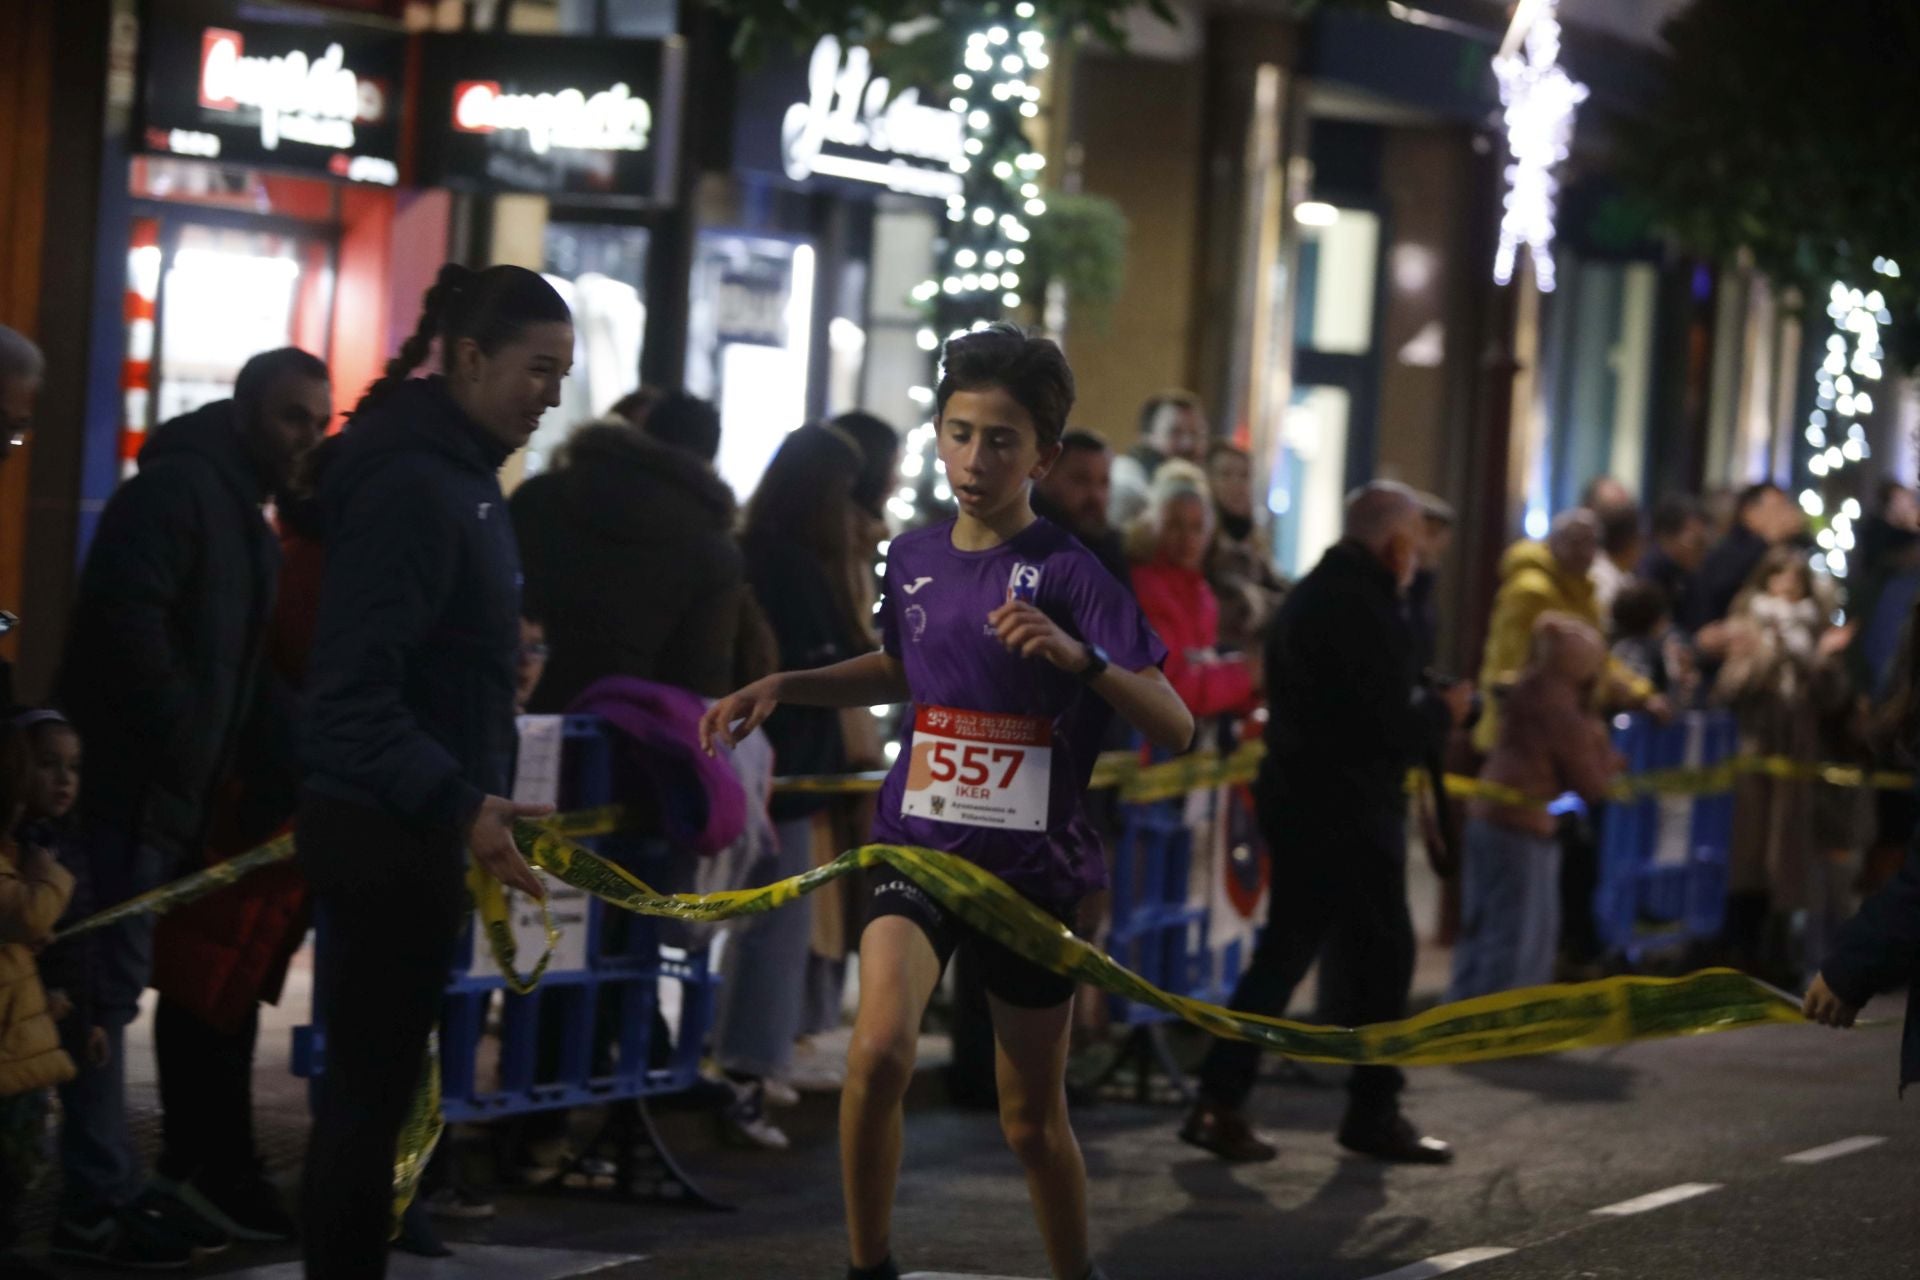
x=1186, y=616
x=1532, y=582
x=33, y=892
x=1550, y=741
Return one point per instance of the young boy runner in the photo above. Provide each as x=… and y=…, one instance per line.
x=1015, y=646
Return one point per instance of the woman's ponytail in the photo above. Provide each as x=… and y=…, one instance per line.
x=435, y=309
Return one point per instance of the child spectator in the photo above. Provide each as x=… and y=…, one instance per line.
x=34, y=890
x=1550, y=742
x=52, y=747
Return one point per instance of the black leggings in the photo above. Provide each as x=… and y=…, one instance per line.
x=391, y=899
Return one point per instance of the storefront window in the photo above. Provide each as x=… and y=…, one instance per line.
x=1598, y=375
x=1309, y=495
x=1339, y=268
x=749, y=336
x=601, y=271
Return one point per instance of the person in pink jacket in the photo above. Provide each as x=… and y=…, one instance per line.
x=1551, y=742
x=1169, y=578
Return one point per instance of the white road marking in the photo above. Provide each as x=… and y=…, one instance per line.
x=1445, y=1263
x=1658, y=1199
x=952, y=1275
x=1834, y=1150
x=473, y=1262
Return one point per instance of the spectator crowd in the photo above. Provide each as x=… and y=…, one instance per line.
x=261, y=568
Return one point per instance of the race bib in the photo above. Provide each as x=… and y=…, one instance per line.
x=979, y=769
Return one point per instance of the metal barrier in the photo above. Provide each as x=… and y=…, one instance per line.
x=593, y=1032
x=1663, y=858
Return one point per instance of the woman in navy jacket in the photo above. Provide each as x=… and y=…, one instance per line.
x=408, y=733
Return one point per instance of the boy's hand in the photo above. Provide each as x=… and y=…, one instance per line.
x=1826, y=1008
x=99, y=1051
x=1032, y=634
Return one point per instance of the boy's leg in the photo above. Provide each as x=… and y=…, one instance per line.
x=1031, y=1067
x=899, y=969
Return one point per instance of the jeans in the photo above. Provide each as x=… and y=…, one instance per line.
x=1509, y=911
x=23, y=1156
x=1336, y=885
x=764, y=997
x=100, y=1168
x=392, y=900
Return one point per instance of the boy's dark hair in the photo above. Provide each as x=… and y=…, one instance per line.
x=1639, y=610
x=493, y=307
x=1031, y=370
x=1619, y=529
x=1077, y=441
x=267, y=368
x=685, y=422
x=636, y=405
x=1673, y=513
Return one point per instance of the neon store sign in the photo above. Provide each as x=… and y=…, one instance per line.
x=572, y=120
x=298, y=98
x=913, y=146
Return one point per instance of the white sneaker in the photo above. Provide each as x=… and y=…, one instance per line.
x=779, y=1093
x=745, y=1122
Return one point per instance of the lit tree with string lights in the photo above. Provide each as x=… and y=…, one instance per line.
x=982, y=255
x=1849, y=370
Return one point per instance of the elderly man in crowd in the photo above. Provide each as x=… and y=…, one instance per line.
x=1350, y=717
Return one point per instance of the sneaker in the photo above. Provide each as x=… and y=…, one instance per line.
x=1392, y=1138
x=124, y=1240
x=462, y=1203
x=780, y=1094
x=1225, y=1132
x=160, y=1205
x=247, y=1208
x=745, y=1123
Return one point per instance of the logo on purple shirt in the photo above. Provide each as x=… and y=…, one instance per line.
x=1025, y=582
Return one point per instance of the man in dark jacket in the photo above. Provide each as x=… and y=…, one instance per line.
x=1349, y=718
x=630, y=559
x=162, y=677
x=1074, y=495
x=1764, y=517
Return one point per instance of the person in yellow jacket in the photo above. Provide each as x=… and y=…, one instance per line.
x=34, y=890
x=1550, y=577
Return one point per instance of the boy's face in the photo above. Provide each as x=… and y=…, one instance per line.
x=991, y=449
x=56, y=772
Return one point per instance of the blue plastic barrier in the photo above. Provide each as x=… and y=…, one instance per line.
x=584, y=1036
x=1663, y=860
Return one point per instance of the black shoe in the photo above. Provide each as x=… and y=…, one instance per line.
x=161, y=1204
x=1394, y=1140
x=247, y=1208
x=122, y=1240
x=1225, y=1132
x=417, y=1235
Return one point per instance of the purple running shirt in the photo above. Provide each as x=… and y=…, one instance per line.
x=933, y=618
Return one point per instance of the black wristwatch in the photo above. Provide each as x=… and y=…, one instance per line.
x=1097, y=663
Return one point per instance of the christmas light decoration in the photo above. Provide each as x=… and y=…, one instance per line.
x=1540, y=100
x=1843, y=396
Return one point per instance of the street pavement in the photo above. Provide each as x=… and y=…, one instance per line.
x=1686, y=1141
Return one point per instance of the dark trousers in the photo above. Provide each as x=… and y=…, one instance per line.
x=391, y=901
x=206, y=1095
x=1339, y=888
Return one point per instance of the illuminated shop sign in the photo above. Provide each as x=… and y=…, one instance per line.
x=549, y=114
x=299, y=95
x=831, y=119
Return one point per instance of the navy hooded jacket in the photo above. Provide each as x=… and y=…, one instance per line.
x=409, y=695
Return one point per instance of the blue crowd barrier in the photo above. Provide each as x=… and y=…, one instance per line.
x=590, y=1033
x=1663, y=859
